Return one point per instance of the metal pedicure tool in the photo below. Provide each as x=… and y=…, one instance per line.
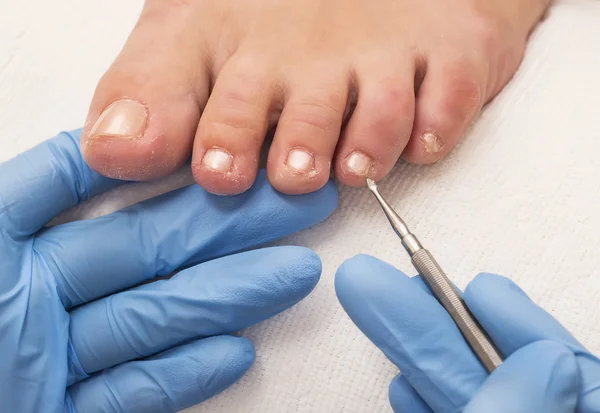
x=442, y=288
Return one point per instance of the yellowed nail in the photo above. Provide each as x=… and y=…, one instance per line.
x=124, y=118
x=300, y=160
x=359, y=164
x=432, y=143
x=218, y=160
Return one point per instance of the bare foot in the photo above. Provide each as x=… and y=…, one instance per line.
x=350, y=84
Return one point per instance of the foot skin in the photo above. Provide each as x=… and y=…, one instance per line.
x=351, y=85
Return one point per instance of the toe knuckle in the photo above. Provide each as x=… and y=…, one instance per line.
x=231, y=124
x=312, y=121
x=236, y=99
x=236, y=114
x=242, y=90
x=318, y=113
x=231, y=127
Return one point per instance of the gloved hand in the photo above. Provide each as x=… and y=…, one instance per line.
x=73, y=340
x=546, y=369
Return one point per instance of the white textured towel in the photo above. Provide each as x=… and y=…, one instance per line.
x=520, y=196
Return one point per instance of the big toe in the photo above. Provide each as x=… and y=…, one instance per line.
x=146, y=108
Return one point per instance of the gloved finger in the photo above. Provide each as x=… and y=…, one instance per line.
x=540, y=377
x=95, y=258
x=170, y=382
x=44, y=181
x=404, y=398
x=513, y=320
x=412, y=329
x=218, y=297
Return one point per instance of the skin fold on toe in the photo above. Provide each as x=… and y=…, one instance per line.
x=349, y=86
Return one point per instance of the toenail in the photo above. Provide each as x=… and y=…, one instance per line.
x=121, y=119
x=358, y=163
x=217, y=160
x=300, y=160
x=432, y=143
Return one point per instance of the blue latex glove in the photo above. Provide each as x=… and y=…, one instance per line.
x=546, y=370
x=72, y=340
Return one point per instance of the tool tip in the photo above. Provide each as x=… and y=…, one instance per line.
x=371, y=184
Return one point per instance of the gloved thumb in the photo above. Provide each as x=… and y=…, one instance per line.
x=540, y=377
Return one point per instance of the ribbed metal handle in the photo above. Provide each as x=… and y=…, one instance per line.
x=450, y=298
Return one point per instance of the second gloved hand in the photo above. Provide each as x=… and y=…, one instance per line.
x=546, y=370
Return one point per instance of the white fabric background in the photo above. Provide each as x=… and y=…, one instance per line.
x=520, y=196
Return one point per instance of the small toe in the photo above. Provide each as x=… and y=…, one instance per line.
x=308, y=131
x=380, y=126
x=449, y=99
x=146, y=108
x=233, y=127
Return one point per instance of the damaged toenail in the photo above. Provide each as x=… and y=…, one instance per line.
x=217, y=160
x=432, y=143
x=300, y=160
x=359, y=164
x=124, y=118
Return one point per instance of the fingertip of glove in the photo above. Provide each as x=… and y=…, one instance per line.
x=488, y=286
x=396, y=391
x=404, y=398
x=64, y=154
x=73, y=137
x=352, y=271
x=311, y=264
x=239, y=350
x=329, y=198
x=75, y=134
x=211, y=365
x=549, y=368
x=560, y=357
x=231, y=353
x=564, y=378
x=364, y=274
x=558, y=351
x=302, y=265
x=296, y=212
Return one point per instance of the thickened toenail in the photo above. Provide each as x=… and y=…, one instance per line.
x=300, y=160
x=124, y=118
x=359, y=164
x=432, y=143
x=217, y=160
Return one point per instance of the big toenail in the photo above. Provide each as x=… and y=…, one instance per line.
x=217, y=160
x=300, y=160
x=124, y=118
x=432, y=143
x=358, y=163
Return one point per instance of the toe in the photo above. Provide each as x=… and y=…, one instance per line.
x=308, y=131
x=448, y=101
x=145, y=110
x=233, y=126
x=380, y=126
